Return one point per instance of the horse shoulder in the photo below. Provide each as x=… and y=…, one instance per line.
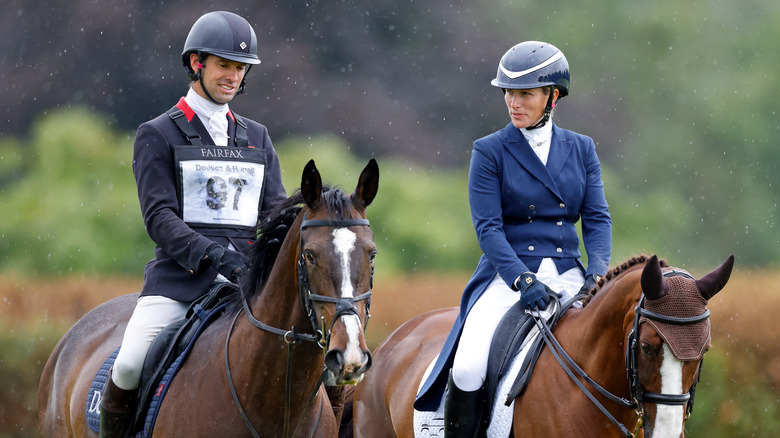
x=390, y=387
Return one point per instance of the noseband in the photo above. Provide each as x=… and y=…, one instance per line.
x=638, y=396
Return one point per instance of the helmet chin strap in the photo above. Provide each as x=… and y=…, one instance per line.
x=547, y=111
x=201, y=60
x=243, y=81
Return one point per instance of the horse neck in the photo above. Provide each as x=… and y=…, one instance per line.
x=255, y=352
x=607, y=320
x=277, y=301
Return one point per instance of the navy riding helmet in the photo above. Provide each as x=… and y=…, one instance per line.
x=533, y=64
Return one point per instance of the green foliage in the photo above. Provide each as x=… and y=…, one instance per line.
x=71, y=206
x=75, y=207
x=723, y=411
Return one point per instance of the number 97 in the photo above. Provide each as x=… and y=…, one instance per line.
x=217, y=192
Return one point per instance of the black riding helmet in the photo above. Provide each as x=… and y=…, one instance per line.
x=534, y=64
x=222, y=34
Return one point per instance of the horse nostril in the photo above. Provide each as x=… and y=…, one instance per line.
x=368, y=361
x=334, y=360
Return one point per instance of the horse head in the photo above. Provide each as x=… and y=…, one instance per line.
x=670, y=336
x=335, y=269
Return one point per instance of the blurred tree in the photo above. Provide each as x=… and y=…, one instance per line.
x=679, y=97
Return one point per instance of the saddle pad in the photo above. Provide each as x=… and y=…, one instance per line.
x=431, y=424
x=165, y=381
x=156, y=402
x=92, y=408
x=152, y=407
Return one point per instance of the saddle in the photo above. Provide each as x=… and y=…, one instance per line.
x=510, y=340
x=172, y=342
x=167, y=352
x=511, y=336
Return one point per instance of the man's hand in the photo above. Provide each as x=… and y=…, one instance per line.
x=232, y=264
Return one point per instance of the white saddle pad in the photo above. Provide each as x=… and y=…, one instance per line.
x=431, y=424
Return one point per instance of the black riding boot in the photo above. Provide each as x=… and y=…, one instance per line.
x=462, y=411
x=117, y=406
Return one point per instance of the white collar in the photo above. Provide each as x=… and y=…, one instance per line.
x=539, y=136
x=213, y=115
x=203, y=107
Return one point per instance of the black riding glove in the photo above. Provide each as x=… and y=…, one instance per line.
x=231, y=264
x=590, y=283
x=535, y=295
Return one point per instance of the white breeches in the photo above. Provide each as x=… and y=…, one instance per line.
x=469, y=367
x=152, y=313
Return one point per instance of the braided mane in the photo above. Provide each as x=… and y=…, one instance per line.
x=617, y=271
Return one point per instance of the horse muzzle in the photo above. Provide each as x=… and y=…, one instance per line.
x=348, y=369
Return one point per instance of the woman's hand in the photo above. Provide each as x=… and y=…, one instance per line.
x=534, y=295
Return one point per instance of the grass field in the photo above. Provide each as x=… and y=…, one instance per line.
x=739, y=394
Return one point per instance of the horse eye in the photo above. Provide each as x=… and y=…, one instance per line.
x=372, y=256
x=648, y=350
x=309, y=256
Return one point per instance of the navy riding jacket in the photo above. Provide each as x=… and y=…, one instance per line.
x=173, y=272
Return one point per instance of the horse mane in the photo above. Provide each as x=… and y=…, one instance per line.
x=272, y=228
x=616, y=272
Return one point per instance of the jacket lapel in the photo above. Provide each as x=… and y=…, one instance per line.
x=518, y=147
x=560, y=148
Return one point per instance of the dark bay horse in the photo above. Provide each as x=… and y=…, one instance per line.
x=640, y=337
x=256, y=370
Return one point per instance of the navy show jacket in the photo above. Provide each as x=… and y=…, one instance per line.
x=173, y=272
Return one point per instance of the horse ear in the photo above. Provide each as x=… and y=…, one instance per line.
x=654, y=285
x=311, y=185
x=368, y=184
x=713, y=282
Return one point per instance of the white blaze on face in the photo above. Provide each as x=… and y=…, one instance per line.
x=669, y=419
x=344, y=241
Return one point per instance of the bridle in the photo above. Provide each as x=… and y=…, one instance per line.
x=344, y=306
x=638, y=396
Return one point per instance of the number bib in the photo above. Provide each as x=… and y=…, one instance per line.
x=220, y=187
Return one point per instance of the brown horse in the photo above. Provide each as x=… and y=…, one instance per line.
x=634, y=352
x=256, y=370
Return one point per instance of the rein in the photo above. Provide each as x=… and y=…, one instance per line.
x=637, y=394
x=292, y=337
